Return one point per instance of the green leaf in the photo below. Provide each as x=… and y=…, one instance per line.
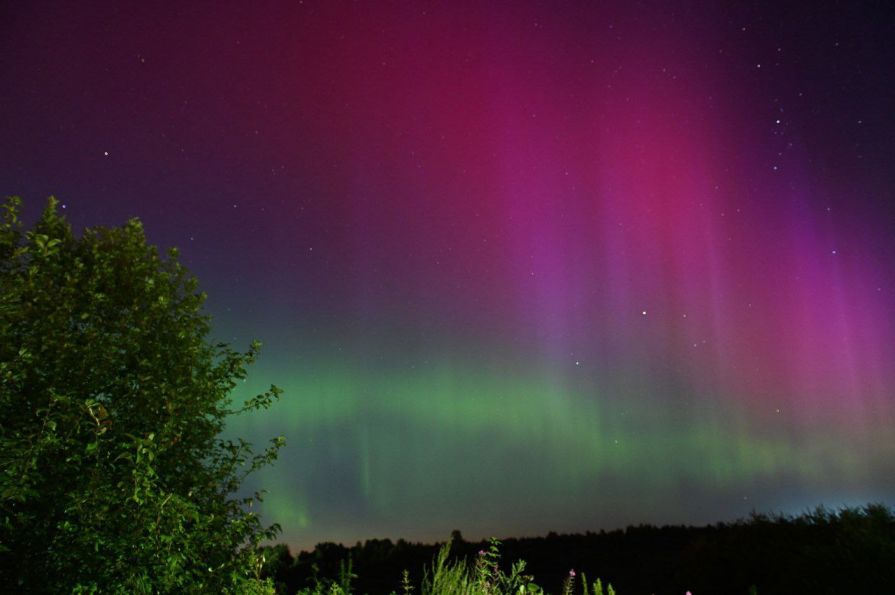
x=111, y=399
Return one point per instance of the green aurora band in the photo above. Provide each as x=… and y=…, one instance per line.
x=499, y=447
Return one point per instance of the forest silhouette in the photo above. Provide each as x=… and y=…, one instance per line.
x=851, y=550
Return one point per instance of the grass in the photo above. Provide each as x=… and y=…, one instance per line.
x=459, y=577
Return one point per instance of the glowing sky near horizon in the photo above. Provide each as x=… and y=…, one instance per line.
x=519, y=267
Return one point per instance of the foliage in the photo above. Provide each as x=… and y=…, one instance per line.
x=483, y=577
x=113, y=474
x=596, y=588
x=323, y=586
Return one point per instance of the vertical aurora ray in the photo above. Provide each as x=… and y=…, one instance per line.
x=600, y=318
x=518, y=270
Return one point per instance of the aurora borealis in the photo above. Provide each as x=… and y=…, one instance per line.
x=519, y=267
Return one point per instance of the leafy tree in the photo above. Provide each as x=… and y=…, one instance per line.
x=114, y=476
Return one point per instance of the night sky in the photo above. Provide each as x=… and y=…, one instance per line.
x=519, y=266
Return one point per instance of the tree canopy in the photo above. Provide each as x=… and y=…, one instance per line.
x=114, y=475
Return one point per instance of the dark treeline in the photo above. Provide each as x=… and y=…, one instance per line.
x=846, y=551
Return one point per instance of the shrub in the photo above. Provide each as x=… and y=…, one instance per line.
x=113, y=474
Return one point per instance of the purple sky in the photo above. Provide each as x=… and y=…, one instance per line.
x=520, y=266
